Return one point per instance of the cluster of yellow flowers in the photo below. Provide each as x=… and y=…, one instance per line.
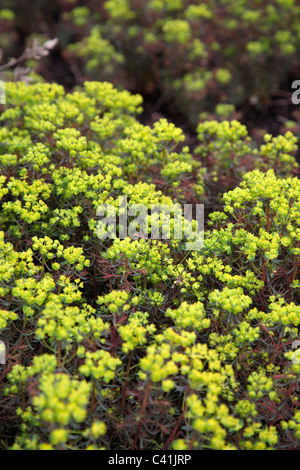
x=118, y=340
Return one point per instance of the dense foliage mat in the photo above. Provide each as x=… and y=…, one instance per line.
x=138, y=343
x=188, y=58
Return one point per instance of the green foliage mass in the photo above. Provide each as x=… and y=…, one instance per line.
x=120, y=343
x=196, y=55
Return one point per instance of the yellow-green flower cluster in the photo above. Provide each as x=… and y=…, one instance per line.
x=189, y=316
x=224, y=345
x=134, y=332
x=58, y=406
x=6, y=317
x=293, y=424
x=100, y=365
x=68, y=324
x=259, y=385
x=99, y=52
x=229, y=301
x=279, y=313
x=14, y=264
x=29, y=204
x=62, y=399
x=136, y=336
x=279, y=152
x=258, y=438
x=148, y=257
x=32, y=292
x=70, y=255
x=212, y=423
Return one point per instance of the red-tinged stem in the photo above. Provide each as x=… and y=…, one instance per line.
x=173, y=433
x=59, y=354
x=294, y=274
x=126, y=382
x=144, y=405
x=264, y=271
x=93, y=401
x=268, y=218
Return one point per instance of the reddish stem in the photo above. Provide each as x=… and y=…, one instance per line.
x=144, y=405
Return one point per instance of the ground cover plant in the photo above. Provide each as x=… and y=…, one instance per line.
x=113, y=340
x=189, y=59
x=137, y=343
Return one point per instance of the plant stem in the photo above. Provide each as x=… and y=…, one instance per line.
x=144, y=405
x=126, y=382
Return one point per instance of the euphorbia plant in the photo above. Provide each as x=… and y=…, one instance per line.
x=140, y=343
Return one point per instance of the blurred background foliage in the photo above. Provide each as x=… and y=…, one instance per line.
x=190, y=60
